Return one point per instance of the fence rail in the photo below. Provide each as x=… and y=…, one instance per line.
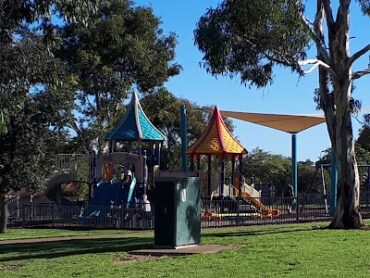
x=214, y=213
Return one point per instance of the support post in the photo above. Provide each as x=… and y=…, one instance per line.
x=184, y=141
x=333, y=182
x=222, y=176
x=159, y=147
x=145, y=173
x=232, y=172
x=240, y=174
x=198, y=163
x=192, y=163
x=368, y=177
x=110, y=146
x=294, y=165
x=209, y=175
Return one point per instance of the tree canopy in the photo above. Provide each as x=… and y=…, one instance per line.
x=121, y=49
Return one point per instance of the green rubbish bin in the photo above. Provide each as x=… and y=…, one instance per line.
x=177, y=212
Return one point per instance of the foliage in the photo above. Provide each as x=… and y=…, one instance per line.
x=239, y=38
x=163, y=109
x=268, y=168
x=275, y=170
x=122, y=48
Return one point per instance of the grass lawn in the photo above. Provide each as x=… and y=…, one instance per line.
x=270, y=251
x=41, y=233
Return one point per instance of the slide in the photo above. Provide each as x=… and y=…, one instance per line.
x=264, y=210
x=54, y=190
x=108, y=193
x=102, y=194
x=128, y=191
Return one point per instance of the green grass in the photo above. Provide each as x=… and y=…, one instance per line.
x=271, y=251
x=41, y=233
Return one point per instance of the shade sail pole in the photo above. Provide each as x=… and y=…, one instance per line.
x=294, y=165
x=184, y=141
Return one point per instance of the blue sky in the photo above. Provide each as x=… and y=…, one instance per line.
x=287, y=95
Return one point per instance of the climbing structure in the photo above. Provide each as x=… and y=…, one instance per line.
x=136, y=127
x=217, y=141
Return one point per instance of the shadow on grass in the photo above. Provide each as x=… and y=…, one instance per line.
x=254, y=232
x=72, y=247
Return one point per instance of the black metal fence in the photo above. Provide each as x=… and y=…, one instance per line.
x=214, y=213
x=128, y=216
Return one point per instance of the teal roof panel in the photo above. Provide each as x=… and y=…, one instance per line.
x=135, y=126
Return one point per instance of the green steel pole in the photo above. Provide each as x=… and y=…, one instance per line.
x=294, y=165
x=334, y=181
x=184, y=141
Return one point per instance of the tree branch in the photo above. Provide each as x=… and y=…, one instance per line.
x=315, y=63
x=358, y=54
x=315, y=32
x=328, y=12
x=359, y=74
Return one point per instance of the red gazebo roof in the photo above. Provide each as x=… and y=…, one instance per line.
x=216, y=139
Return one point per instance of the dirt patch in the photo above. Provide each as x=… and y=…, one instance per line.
x=13, y=267
x=138, y=258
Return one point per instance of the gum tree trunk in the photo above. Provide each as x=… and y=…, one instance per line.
x=3, y=213
x=347, y=214
x=348, y=202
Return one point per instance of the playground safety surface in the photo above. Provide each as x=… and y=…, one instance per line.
x=181, y=251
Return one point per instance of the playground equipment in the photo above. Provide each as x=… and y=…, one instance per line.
x=217, y=141
x=103, y=171
x=320, y=169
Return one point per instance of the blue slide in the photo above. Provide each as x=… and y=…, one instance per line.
x=108, y=193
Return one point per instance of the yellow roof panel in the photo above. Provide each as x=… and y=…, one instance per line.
x=216, y=139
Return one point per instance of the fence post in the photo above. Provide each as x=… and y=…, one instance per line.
x=52, y=214
x=297, y=208
x=23, y=214
x=237, y=211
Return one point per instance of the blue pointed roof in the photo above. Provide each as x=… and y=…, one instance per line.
x=135, y=126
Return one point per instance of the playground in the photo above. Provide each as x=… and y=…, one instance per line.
x=121, y=184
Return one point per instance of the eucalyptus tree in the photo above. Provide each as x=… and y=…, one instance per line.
x=118, y=49
x=33, y=97
x=248, y=38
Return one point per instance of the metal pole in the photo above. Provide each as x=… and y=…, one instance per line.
x=232, y=172
x=324, y=189
x=222, y=176
x=145, y=173
x=334, y=181
x=209, y=174
x=240, y=174
x=184, y=141
x=159, y=154
x=294, y=165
